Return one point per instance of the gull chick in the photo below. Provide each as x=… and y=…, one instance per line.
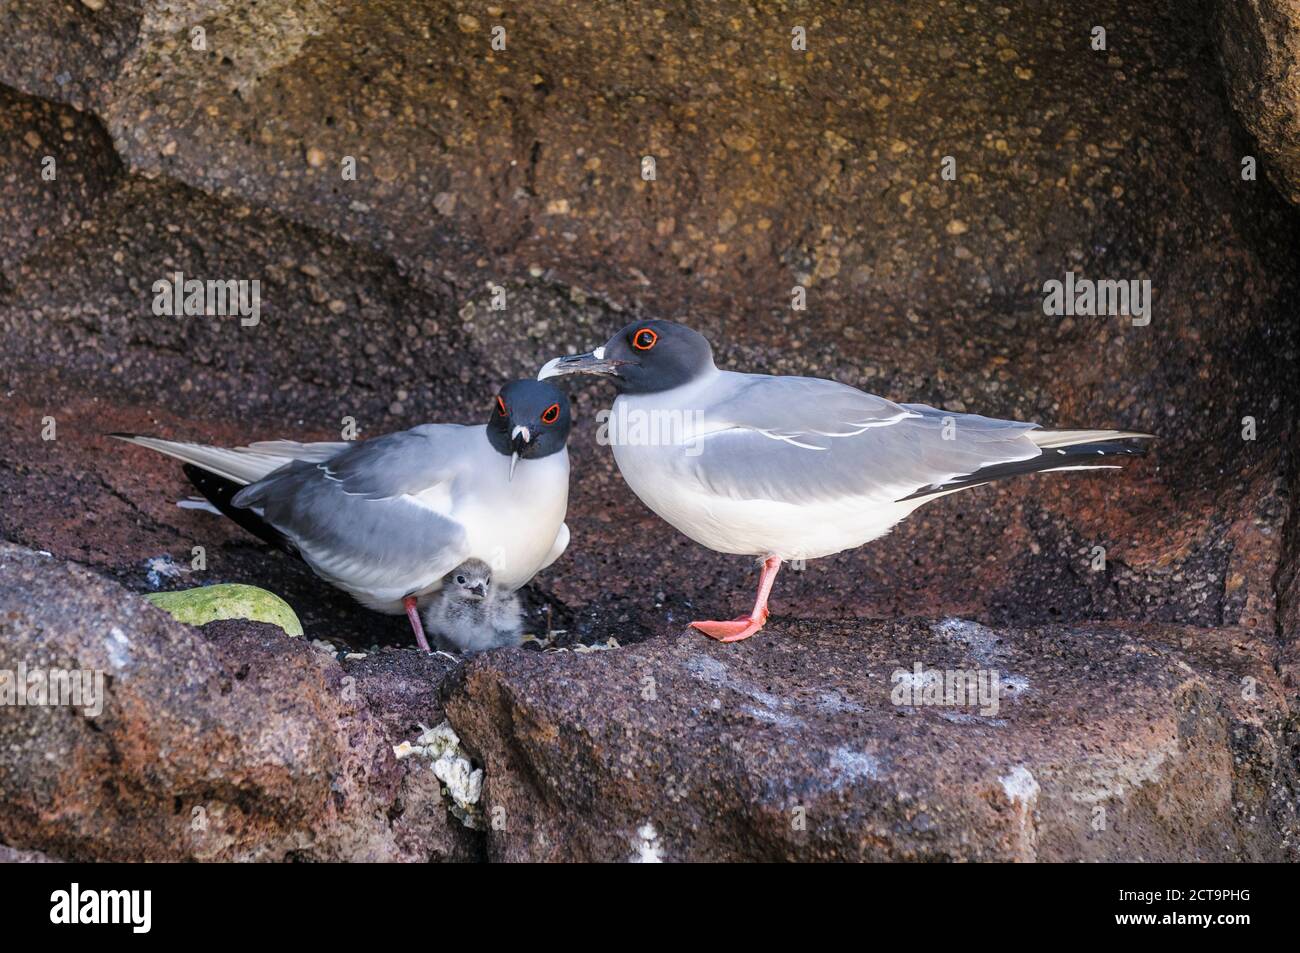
x=469, y=614
x=797, y=467
x=386, y=519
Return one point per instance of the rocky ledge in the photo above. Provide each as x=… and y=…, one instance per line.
x=228, y=742
x=810, y=741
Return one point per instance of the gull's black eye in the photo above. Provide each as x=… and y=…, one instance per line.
x=460, y=580
x=501, y=406
x=644, y=339
x=551, y=414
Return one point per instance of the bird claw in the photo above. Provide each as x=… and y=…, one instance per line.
x=736, y=630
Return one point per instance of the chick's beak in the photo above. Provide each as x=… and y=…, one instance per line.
x=593, y=362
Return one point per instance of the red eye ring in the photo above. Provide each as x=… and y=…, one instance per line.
x=551, y=414
x=637, y=339
x=501, y=406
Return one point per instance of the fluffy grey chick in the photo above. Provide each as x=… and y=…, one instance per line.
x=469, y=615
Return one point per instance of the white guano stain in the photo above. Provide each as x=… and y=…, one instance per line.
x=647, y=846
x=1020, y=786
x=119, y=648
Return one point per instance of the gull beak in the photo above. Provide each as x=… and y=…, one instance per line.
x=519, y=439
x=593, y=362
x=479, y=590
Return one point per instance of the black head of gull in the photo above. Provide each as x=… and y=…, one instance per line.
x=529, y=420
x=644, y=357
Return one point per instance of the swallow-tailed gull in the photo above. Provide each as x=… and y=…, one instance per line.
x=471, y=614
x=797, y=467
x=386, y=519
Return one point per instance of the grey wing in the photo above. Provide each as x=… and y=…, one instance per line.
x=292, y=449
x=373, y=516
x=798, y=439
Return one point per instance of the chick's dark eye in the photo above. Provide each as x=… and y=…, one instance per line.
x=501, y=407
x=644, y=339
x=551, y=414
x=460, y=580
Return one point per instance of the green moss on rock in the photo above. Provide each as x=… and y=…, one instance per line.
x=227, y=601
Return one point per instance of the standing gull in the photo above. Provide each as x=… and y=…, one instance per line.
x=386, y=519
x=797, y=467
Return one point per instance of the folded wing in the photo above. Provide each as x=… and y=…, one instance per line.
x=373, y=517
x=800, y=440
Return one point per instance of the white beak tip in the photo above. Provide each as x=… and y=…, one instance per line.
x=548, y=369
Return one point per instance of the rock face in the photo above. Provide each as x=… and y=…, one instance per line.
x=920, y=170
x=1106, y=743
x=522, y=168
x=238, y=744
x=1259, y=42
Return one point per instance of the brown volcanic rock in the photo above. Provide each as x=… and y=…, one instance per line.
x=773, y=168
x=1109, y=743
x=84, y=169
x=402, y=688
x=10, y=856
x=245, y=745
x=1259, y=44
x=521, y=168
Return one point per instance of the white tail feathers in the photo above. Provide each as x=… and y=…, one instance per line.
x=1047, y=439
x=241, y=464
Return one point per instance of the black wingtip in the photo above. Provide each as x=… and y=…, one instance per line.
x=122, y=435
x=1135, y=445
x=221, y=493
x=1051, y=458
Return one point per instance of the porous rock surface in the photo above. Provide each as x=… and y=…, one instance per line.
x=523, y=168
x=1109, y=742
x=1259, y=44
x=230, y=742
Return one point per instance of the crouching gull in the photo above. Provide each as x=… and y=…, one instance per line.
x=386, y=519
x=797, y=467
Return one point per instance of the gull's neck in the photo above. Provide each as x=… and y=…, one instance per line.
x=681, y=395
